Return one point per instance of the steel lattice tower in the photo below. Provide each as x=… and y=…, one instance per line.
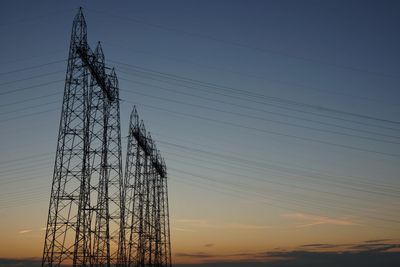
x=146, y=212
x=86, y=205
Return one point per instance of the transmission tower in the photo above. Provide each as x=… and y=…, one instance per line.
x=146, y=216
x=86, y=210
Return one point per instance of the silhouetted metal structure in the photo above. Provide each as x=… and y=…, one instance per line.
x=86, y=204
x=97, y=218
x=147, y=220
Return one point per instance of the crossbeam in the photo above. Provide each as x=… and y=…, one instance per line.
x=90, y=60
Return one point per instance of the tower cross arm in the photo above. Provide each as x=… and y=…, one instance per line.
x=90, y=59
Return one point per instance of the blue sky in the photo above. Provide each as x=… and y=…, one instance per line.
x=278, y=120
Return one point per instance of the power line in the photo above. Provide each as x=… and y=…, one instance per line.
x=296, y=171
x=242, y=164
x=250, y=190
x=265, y=165
x=269, y=104
x=33, y=67
x=283, y=107
x=202, y=177
x=29, y=99
x=31, y=77
x=29, y=107
x=236, y=161
x=29, y=87
x=258, y=109
x=37, y=17
x=246, y=46
x=26, y=157
x=285, y=185
x=270, y=132
x=198, y=176
x=29, y=115
x=255, y=76
x=286, y=197
x=26, y=167
x=57, y=51
x=257, y=95
x=240, y=194
x=264, y=119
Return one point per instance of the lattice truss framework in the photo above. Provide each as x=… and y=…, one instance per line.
x=97, y=218
x=147, y=220
x=86, y=203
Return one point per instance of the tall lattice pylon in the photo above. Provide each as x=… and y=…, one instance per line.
x=146, y=211
x=86, y=204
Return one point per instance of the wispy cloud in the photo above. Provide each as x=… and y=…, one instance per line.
x=318, y=220
x=377, y=240
x=318, y=246
x=25, y=231
x=182, y=229
x=311, y=255
x=198, y=223
x=375, y=247
x=194, y=255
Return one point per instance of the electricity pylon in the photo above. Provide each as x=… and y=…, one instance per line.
x=147, y=228
x=86, y=204
x=90, y=221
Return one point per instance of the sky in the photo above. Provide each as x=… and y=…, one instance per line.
x=278, y=122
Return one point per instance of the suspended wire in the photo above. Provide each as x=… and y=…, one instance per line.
x=246, y=165
x=253, y=95
x=367, y=191
x=214, y=154
x=17, y=195
x=284, y=185
x=18, y=179
x=293, y=109
x=257, y=109
x=32, y=77
x=30, y=114
x=255, y=76
x=57, y=51
x=397, y=156
x=297, y=201
x=262, y=118
x=26, y=167
x=25, y=158
x=29, y=107
x=239, y=193
x=253, y=192
x=30, y=99
x=37, y=17
x=29, y=87
x=39, y=124
x=286, y=197
x=235, y=161
x=224, y=184
x=266, y=165
x=246, y=46
x=33, y=67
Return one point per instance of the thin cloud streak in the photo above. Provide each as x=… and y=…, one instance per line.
x=182, y=229
x=352, y=254
x=318, y=220
x=25, y=231
x=198, y=223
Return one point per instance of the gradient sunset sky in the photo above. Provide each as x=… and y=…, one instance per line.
x=278, y=120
